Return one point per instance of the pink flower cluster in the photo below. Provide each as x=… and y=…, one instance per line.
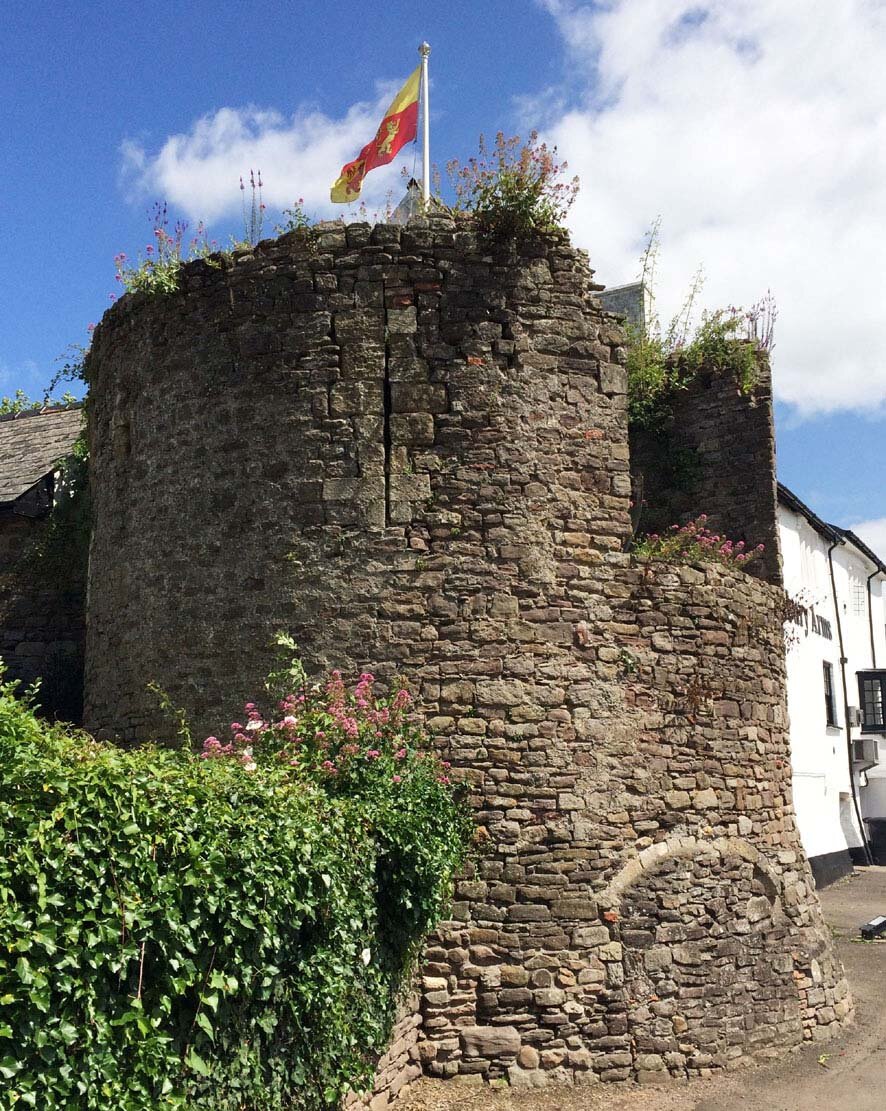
x=694, y=541
x=332, y=734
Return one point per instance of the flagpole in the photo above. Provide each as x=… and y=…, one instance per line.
x=424, y=50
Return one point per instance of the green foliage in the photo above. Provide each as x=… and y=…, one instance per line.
x=295, y=218
x=63, y=547
x=692, y=543
x=226, y=931
x=20, y=402
x=721, y=341
x=661, y=363
x=158, y=270
x=512, y=190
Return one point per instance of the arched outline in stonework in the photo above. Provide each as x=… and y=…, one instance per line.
x=686, y=846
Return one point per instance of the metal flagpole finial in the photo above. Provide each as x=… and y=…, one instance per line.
x=424, y=49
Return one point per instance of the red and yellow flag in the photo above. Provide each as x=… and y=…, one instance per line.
x=398, y=128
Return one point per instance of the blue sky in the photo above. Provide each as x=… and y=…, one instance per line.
x=756, y=136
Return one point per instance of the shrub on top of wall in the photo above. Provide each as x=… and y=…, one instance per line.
x=225, y=930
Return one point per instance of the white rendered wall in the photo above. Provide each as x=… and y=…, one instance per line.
x=822, y=795
x=818, y=752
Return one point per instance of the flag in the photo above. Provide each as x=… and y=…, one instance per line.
x=399, y=127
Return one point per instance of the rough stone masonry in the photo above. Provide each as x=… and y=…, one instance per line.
x=413, y=455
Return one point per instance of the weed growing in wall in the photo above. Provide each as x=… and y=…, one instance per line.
x=694, y=542
x=157, y=269
x=295, y=218
x=513, y=189
x=228, y=930
x=254, y=216
x=663, y=361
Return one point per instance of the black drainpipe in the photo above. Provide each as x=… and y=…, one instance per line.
x=848, y=727
x=873, y=575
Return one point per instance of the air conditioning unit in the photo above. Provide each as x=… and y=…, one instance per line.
x=866, y=751
x=855, y=716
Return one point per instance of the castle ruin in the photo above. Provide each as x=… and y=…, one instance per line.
x=413, y=455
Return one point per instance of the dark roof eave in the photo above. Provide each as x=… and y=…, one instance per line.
x=829, y=532
x=833, y=533
x=863, y=548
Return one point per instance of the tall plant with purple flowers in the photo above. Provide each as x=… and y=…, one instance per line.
x=254, y=212
x=513, y=188
x=157, y=269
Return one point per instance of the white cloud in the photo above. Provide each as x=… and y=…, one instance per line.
x=756, y=129
x=873, y=533
x=198, y=172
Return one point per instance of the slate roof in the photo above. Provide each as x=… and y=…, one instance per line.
x=31, y=444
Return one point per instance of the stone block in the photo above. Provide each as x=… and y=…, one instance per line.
x=490, y=1041
x=402, y=320
x=587, y=937
x=418, y=397
x=575, y=908
x=705, y=800
x=412, y=429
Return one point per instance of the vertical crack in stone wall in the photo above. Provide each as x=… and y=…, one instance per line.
x=641, y=904
x=387, y=417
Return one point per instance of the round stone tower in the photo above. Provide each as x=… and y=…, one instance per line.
x=412, y=455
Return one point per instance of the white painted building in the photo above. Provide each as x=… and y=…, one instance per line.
x=836, y=664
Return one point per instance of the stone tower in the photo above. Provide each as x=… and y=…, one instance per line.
x=413, y=455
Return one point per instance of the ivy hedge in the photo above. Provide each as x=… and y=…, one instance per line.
x=225, y=930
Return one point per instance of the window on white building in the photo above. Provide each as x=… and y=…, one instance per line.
x=830, y=704
x=872, y=696
x=858, y=599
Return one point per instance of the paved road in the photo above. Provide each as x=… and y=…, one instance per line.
x=845, y=1074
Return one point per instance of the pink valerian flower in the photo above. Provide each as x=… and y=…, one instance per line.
x=236, y=727
x=335, y=688
x=372, y=754
x=401, y=699
x=693, y=541
x=397, y=778
x=213, y=747
x=329, y=767
x=400, y=754
x=363, y=690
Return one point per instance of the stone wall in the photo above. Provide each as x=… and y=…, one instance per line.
x=401, y=449
x=41, y=618
x=717, y=456
x=652, y=912
x=413, y=455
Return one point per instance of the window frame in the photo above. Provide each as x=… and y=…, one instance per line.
x=830, y=699
x=878, y=676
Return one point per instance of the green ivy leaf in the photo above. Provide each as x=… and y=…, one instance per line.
x=195, y=1061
